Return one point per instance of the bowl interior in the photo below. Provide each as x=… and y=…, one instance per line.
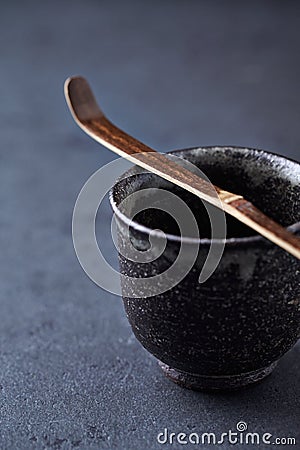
x=271, y=182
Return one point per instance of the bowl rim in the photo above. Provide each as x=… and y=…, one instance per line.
x=229, y=242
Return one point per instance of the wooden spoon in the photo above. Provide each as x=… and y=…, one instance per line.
x=91, y=119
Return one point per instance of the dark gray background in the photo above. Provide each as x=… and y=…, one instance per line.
x=174, y=74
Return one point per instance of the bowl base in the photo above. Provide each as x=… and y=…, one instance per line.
x=213, y=383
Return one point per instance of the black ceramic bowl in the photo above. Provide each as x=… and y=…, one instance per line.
x=231, y=330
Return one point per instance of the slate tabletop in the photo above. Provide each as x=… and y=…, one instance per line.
x=175, y=74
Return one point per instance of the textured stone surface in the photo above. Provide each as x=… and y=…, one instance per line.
x=175, y=74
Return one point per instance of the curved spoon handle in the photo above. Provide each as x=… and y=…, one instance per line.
x=91, y=119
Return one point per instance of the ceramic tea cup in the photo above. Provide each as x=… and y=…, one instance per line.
x=232, y=329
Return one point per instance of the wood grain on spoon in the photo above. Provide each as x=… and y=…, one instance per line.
x=91, y=119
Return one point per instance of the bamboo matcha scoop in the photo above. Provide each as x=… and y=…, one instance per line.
x=91, y=119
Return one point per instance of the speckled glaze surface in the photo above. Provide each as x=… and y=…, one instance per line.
x=231, y=330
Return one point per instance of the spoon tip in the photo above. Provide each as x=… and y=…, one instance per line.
x=80, y=99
